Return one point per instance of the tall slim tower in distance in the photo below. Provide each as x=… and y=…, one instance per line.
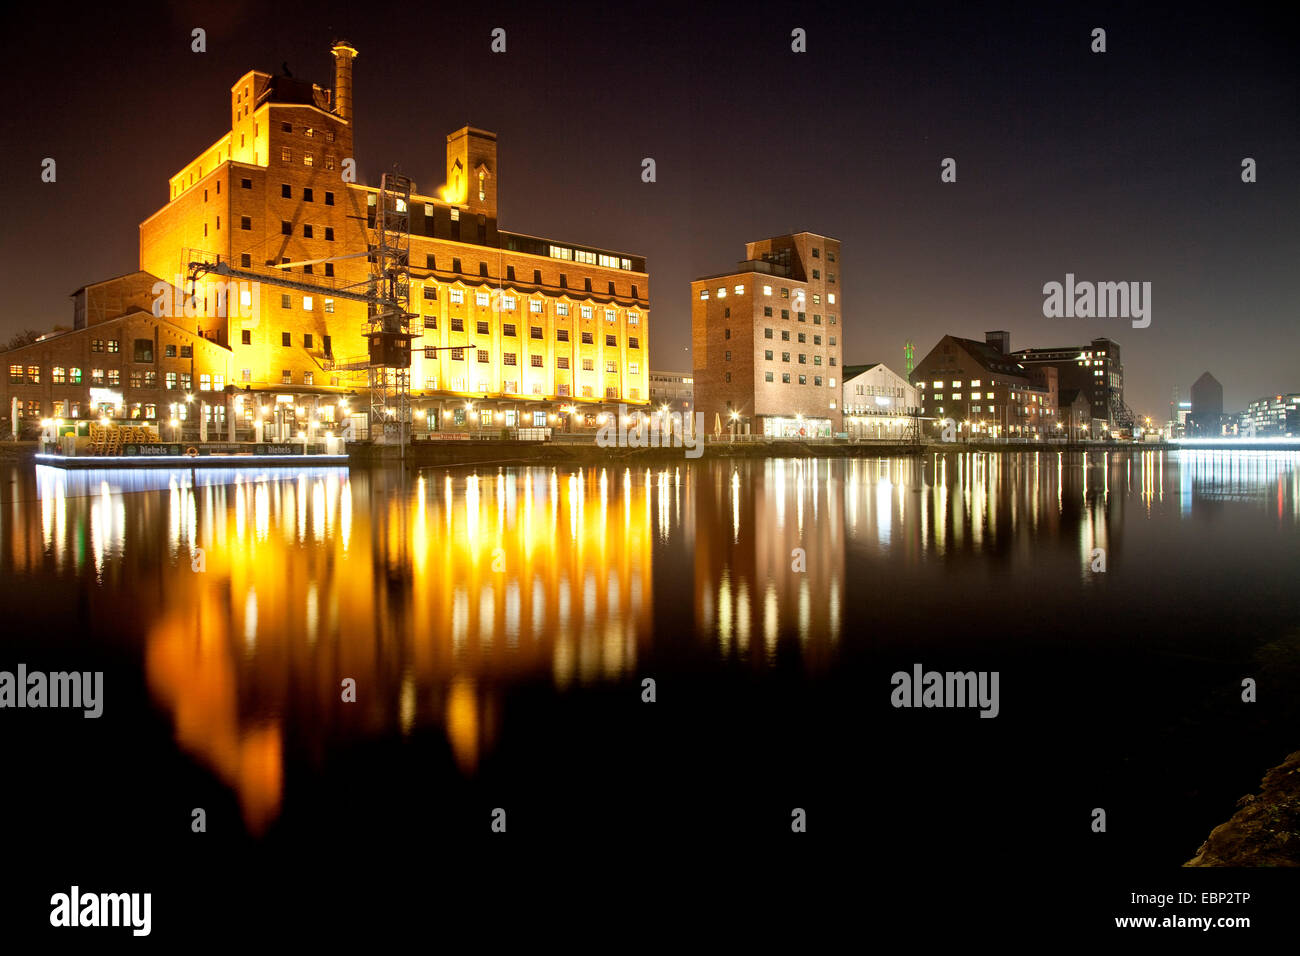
x=909, y=356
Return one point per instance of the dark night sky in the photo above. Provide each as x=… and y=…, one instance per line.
x=1122, y=166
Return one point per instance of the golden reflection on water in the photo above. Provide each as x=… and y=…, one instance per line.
x=430, y=592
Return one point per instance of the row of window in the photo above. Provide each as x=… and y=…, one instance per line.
x=458, y=383
x=308, y=159
x=308, y=304
x=535, y=360
x=1023, y=411
x=590, y=258
x=767, y=290
x=246, y=261
x=974, y=396
x=785, y=314
x=59, y=375
x=308, y=131
x=308, y=194
x=535, y=306
x=785, y=336
x=308, y=230
x=142, y=349
x=286, y=340
x=430, y=261
x=510, y=330
x=786, y=379
x=893, y=391
x=785, y=357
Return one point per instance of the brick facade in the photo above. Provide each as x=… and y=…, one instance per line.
x=546, y=326
x=786, y=290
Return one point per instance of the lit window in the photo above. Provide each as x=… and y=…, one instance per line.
x=307, y=303
x=480, y=298
x=535, y=305
x=740, y=290
x=457, y=296
x=767, y=290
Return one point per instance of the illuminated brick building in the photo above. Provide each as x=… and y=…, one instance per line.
x=765, y=340
x=985, y=392
x=535, y=331
x=529, y=326
x=118, y=360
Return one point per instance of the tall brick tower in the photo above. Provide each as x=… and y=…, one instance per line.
x=472, y=171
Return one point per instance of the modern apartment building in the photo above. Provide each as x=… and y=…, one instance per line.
x=1273, y=415
x=766, y=340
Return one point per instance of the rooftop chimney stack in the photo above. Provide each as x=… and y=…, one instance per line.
x=344, y=53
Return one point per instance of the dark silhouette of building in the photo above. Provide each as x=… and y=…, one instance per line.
x=1207, y=406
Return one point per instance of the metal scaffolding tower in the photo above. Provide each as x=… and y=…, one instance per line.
x=388, y=327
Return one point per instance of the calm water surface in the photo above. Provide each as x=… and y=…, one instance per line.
x=498, y=625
